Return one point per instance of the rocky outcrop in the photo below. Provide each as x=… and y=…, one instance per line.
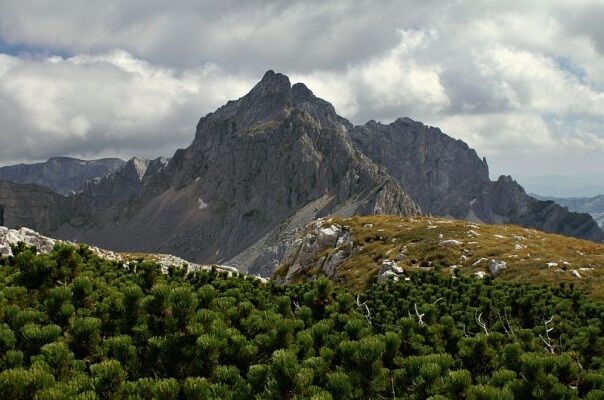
x=320, y=248
x=447, y=178
x=441, y=174
x=43, y=244
x=29, y=237
x=64, y=175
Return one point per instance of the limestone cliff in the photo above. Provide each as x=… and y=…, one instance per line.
x=64, y=175
x=445, y=177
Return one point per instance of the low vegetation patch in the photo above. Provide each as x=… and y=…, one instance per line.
x=463, y=248
x=73, y=325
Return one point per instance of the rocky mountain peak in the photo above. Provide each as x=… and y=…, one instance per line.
x=272, y=83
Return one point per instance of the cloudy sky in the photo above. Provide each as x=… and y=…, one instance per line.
x=520, y=81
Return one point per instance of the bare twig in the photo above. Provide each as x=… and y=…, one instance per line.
x=465, y=332
x=419, y=316
x=505, y=312
x=363, y=306
x=547, y=341
x=480, y=322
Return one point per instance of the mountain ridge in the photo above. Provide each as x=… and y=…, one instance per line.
x=261, y=167
x=64, y=175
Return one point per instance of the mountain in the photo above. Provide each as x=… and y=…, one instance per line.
x=61, y=174
x=275, y=159
x=445, y=177
x=591, y=205
x=262, y=167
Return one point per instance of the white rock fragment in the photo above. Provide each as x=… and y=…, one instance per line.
x=450, y=243
x=575, y=273
x=499, y=236
x=551, y=264
x=475, y=263
x=496, y=266
x=389, y=270
x=473, y=232
x=480, y=274
x=201, y=204
x=400, y=257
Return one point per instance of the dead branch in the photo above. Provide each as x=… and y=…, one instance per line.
x=547, y=341
x=419, y=317
x=480, y=322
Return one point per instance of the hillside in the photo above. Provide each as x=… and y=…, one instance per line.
x=353, y=250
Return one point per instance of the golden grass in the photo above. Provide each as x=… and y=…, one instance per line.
x=526, y=251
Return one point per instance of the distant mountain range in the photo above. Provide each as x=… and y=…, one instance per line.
x=263, y=166
x=64, y=175
x=591, y=205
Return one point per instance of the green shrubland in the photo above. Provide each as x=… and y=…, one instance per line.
x=73, y=325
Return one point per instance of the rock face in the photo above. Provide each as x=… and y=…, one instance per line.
x=305, y=253
x=32, y=205
x=447, y=178
x=591, y=205
x=61, y=174
x=29, y=237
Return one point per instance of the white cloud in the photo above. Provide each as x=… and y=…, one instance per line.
x=99, y=103
x=522, y=78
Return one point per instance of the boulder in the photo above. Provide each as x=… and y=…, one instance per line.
x=388, y=270
x=480, y=274
x=496, y=266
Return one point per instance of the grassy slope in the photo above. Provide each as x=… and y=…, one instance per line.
x=526, y=251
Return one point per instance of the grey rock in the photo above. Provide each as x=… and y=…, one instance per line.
x=389, y=270
x=496, y=266
x=591, y=205
x=64, y=175
x=480, y=274
x=450, y=243
x=24, y=205
x=445, y=177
